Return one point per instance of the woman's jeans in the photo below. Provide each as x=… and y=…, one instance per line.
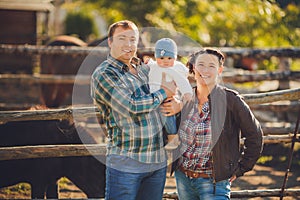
x=129, y=179
x=201, y=188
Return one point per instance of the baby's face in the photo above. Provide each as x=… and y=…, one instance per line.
x=165, y=62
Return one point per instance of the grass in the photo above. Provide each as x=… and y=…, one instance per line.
x=23, y=190
x=19, y=191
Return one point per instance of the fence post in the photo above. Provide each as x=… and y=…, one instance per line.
x=284, y=66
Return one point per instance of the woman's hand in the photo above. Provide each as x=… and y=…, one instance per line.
x=171, y=106
x=232, y=178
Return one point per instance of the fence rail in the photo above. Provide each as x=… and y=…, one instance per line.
x=47, y=151
x=230, y=77
x=259, y=53
x=67, y=113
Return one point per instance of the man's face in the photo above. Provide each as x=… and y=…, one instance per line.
x=123, y=45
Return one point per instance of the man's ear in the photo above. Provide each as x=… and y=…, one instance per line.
x=220, y=70
x=109, y=41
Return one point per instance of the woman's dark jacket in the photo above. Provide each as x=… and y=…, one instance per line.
x=231, y=120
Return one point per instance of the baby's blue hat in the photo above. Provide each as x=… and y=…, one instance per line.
x=165, y=47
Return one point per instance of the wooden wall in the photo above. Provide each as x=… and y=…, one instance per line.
x=17, y=27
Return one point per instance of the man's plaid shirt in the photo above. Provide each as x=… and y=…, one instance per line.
x=130, y=112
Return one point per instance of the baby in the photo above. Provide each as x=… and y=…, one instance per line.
x=166, y=55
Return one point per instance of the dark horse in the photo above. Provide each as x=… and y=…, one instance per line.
x=86, y=172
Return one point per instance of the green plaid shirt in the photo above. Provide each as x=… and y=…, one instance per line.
x=130, y=112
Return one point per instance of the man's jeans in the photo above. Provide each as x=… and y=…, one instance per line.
x=131, y=180
x=201, y=188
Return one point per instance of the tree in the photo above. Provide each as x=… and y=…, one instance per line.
x=134, y=10
x=81, y=24
x=249, y=23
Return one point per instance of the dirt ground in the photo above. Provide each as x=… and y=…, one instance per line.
x=262, y=177
x=267, y=174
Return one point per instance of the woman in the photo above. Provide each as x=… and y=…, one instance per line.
x=210, y=131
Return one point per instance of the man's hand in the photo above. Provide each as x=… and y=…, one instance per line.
x=171, y=106
x=169, y=87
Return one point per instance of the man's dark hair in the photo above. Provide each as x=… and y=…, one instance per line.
x=126, y=24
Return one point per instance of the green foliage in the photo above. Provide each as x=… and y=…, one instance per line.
x=134, y=10
x=252, y=23
x=249, y=23
x=295, y=66
x=230, y=23
x=80, y=23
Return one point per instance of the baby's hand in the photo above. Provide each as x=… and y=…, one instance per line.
x=146, y=59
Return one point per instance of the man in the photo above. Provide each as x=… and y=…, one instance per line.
x=136, y=159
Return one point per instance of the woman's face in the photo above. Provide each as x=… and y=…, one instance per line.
x=207, y=68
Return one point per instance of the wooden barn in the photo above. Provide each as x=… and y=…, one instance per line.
x=22, y=22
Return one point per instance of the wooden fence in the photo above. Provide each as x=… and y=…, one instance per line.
x=8, y=153
x=257, y=53
x=258, y=101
